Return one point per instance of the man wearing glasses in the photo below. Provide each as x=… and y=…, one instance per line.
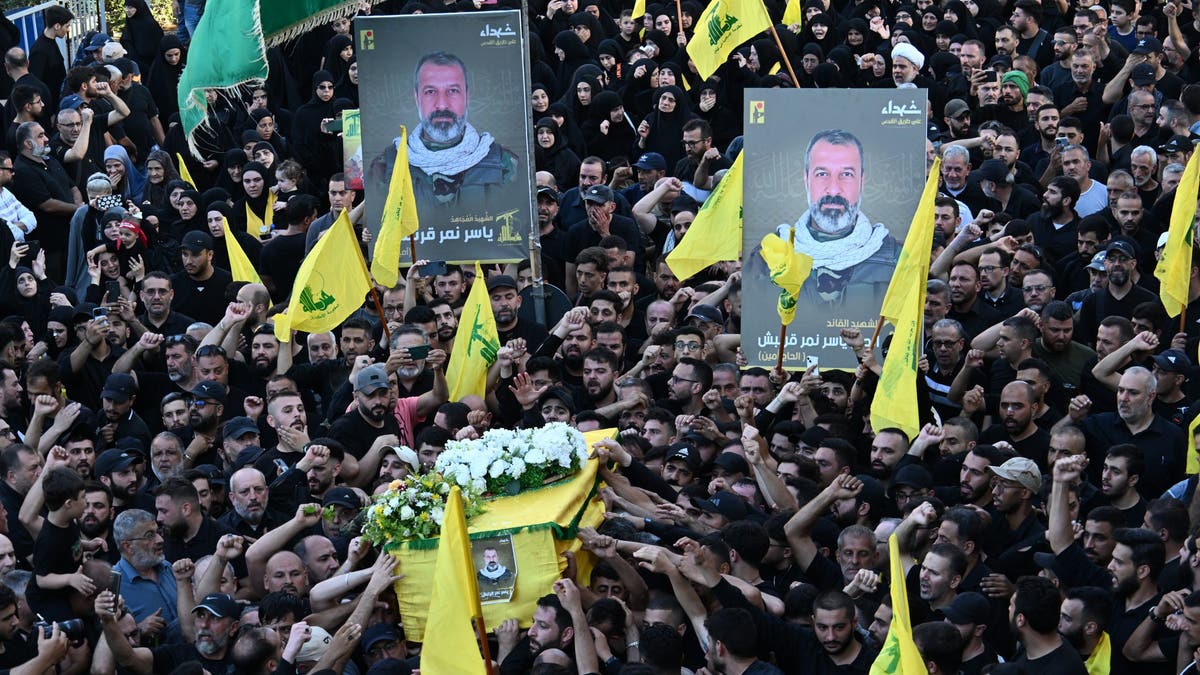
x=1118, y=297
x=157, y=295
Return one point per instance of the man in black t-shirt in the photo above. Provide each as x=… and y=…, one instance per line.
x=371, y=418
x=1034, y=612
x=216, y=623
x=142, y=126
x=200, y=287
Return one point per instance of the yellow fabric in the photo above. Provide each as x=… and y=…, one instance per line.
x=716, y=234
x=239, y=264
x=257, y=226
x=723, y=26
x=399, y=218
x=639, y=9
x=476, y=343
x=1101, y=659
x=1193, y=461
x=184, y=174
x=899, y=655
x=454, y=600
x=330, y=285
x=793, y=14
x=789, y=270
x=904, y=307
x=1174, y=269
x=538, y=551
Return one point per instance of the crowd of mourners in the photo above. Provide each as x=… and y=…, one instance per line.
x=181, y=492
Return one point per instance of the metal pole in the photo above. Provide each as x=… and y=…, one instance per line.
x=535, y=235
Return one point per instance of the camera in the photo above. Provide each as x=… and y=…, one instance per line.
x=72, y=628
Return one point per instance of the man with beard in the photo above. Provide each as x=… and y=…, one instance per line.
x=733, y=646
x=80, y=444
x=84, y=369
x=115, y=468
x=1123, y=469
x=1033, y=614
x=1037, y=289
x=370, y=418
x=551, y=629
x=1055, y=225
x=117, y=399
x=583, y=236
x=506, y=302
x=286, y=416
x=966, y=307
x=147, y=582
x=1037, y=154
x=1093, y=195
x=1018, y=482
x=238, y=434
x=319, y=556
x=998, y=181
x=250, y=516
x=1119, y=296
x=186, y=531
x=553, y=264
x=1018, y=425
x=285, y=572
x=216, y=622
x=96, y=521
x=451, y=163
x=687, y=385
x=41, y=183
x=853, y=258
x=157, y=296
x=11, y=391
x=887, y=449
x=166, y=459
x=1086, y=613
x=200, y=287
x=1058, y=73
x=1135, y=223
x=324, y=471
x=446, y=322
x=572, y=337
x=21, y=466
x=204, y=418
x=264, y=354
x=599, y=374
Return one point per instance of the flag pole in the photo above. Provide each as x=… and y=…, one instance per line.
x=782, y=336
x=412, y=247
x=387, y=334
x=782, y=53
x=875, y=335
x=481, y=631
x=679, y=15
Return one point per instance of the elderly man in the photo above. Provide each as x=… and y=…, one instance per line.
x=147, y=582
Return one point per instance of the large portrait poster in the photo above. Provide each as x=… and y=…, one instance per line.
x=458, y=83
x=841, y=172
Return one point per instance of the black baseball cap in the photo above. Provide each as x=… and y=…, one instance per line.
x=119, y=387
x=599, y=194
x=724, y=503
x=342, y=496
x=501, y=281
x=219, y=605
x=211, y=389
x=197, y=241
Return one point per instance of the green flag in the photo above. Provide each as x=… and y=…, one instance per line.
x=229, y=47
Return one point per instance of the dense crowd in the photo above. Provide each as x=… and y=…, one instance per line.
x=182, y=492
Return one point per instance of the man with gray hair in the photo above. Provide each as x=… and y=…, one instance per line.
x=1171, y=175
x=41, y=183
x=1143, y=164
x=1163, y=443
x=1093, y=195
x=451, y=163
x=853, y=258
x=147, y=581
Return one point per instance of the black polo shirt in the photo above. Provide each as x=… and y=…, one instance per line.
x=33, y=183
x=1163, y=443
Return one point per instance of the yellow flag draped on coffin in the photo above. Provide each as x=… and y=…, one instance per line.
x=542, y=524
x=789, y=270
x=904, y=307
x=450, y=645
x=723, y=26
x=1174, y=270
x=899, y=655
x=399, y=218
x=716, y=234
x=239, y=265
x=330, y=285
x=476, y=343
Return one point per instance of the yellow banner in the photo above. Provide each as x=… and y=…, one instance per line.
x=239, y=264
x=399, y=218
x=1174, y=269
x=330, y=285
x=476, y=343
x=721, y=28
x=899, y=655
x=716, y=234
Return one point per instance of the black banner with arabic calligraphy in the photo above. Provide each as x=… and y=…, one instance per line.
x=472, y=181
x=848, y=203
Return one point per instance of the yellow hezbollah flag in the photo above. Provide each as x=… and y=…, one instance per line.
x=399, y=218
x=899, y=655
x=239, y=264
x=716, y=234
x=789, y=270
x=792, y=14
x=475, y=343
x=1174, y=270
x=723, y=26
x=184, y=174
x=330, y=285
x=450, y=645
x=1101, y=659
x=1193, y=461
x=904, y=307
x=639, y=9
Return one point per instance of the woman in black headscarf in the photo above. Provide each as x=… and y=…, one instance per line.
x=810, y=57
x=266, y=128
x=230, y=178
x=583, y=90
x=318, y=151
x=587, y=27
x=539, y=101
x=717, y=113
x=142, y=35
x=347, y=87
x=552, y=154
x=608, y=131
x=542, y=68
x=190, y=216
x=570, y=130
x=163, y=77
x=664, y=46
x=255, y=213
x=610, y=57
x=821, y=31
x=572, y=54
x=215, y=216
x=160, y=170
x=339, y=54
x=956, y=11
x=639, y=85
x=662, y=130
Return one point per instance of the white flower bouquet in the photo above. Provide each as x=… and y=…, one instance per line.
x=506, y=461
x=414, y=508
